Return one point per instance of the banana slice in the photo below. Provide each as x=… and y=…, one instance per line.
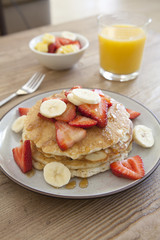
x=56, y=174
x=73, y=100
x=96, y=156
x=52, y=108
x=86, y=96
x=70, y=48
x=143, y=136
x=69, y=35
x=18, y=124
x=48, y=38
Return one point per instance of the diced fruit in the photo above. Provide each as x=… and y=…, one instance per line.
x=23, y=111
x=98, y=91
x=45, y=118
x=108, y=101
x=67, y=135
x=83, y=122
x=23, y=156
x=69, y=35
x=52, y=108
x=42, y=47
x=131, y=168
x=133, y=114
x=62, y=99
x=57, y=43
x=70, y=48
x=71, y=98
x=18, y=124
x=143, y=136
x=48, y=38
x=56, y=174
x=97, y=112
x=64, y=41
x=46, y=98
x=51, y=48
x=86, y=96
x=69, y=114
x=101, y=94
x=69, y=91
x=77, y=43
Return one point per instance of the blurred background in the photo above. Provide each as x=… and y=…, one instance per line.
x=19, y=15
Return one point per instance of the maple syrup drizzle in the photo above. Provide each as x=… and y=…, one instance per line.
x=33, y=125
x=71, y=185
x=30, y=173
x=83, y=183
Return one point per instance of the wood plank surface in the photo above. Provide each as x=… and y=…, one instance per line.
x=129, y=215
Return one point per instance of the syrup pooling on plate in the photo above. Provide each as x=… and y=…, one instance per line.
x=80, y=154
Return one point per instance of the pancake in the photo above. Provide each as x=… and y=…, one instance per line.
x=80, y=168
x=43, y=134
x=113, y=142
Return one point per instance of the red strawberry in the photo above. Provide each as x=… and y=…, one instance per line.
x=131, y=168
x=67, y=135
x=57, y=43
x=69, y=114
x=23, y=111
x=84, y=122
x=64, y=41
x=23, y=156
x=101, y=94
x=133, y=114
x=45, y=118
x=97, y=112
x=62, y=99
x=98, y=91
x=69, y=91
x=51, y=48
x=46, y=98
x=77, y=43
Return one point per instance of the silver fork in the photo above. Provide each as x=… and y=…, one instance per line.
x=30, y=87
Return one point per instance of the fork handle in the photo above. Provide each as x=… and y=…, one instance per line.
x=4, y=101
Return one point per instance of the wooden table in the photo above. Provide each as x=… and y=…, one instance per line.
x=132, y=214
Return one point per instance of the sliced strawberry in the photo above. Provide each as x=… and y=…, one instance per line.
x=51, y=48
x=45, y=118
x=98, y=91
x=57, y=43
x=101, y=94
x=23, y=156
x=62, y=99
x=76, y=42
x=67, y=135
x=133, y=114
x=83, y=122
x=46, y=99
x=69, y=114
x=69, y=91
x=97, y=112
x=131, y=168
x=23, y=111
x=64, y=41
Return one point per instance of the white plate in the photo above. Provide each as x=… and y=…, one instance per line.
x=100, y=185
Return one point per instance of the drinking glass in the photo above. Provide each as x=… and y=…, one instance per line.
x=122, y=38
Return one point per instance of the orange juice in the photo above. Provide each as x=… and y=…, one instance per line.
x=121, y=48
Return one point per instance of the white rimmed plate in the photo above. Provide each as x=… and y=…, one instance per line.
x=100, y=185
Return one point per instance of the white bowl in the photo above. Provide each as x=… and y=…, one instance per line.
x=58, y=61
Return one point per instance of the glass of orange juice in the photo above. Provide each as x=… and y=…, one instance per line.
x=122, y=38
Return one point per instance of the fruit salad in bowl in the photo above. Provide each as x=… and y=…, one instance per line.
x=59, y=50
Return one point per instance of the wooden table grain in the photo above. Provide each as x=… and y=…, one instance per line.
x=130, y=215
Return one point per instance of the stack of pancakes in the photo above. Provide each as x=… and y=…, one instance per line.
x=93, y=154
